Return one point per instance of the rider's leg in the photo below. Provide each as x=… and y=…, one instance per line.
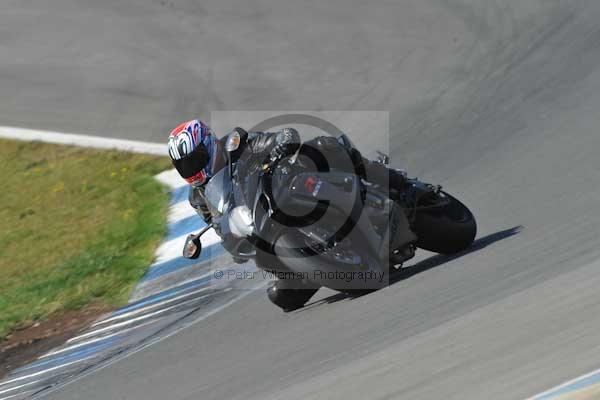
x=381, y=175
x=402, y=242
x=335, y=156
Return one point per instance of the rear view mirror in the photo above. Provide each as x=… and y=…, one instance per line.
x=192, y=247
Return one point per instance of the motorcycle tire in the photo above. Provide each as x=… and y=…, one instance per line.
x=449, y=229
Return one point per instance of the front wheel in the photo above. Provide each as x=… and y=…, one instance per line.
x=448, y=229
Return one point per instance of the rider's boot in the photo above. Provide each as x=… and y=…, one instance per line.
x=288, y=295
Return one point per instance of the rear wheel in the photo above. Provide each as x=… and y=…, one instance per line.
x=448, y=229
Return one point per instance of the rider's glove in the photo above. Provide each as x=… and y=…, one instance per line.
x=287, y=142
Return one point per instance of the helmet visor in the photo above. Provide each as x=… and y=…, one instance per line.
x=192, y=163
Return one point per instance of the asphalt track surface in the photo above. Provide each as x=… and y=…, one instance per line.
x=497, y=100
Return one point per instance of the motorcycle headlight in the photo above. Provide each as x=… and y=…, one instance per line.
x=240, y=221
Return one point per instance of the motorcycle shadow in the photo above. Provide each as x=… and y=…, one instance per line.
x=425, y=265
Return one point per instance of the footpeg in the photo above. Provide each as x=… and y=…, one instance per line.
x=403, y=254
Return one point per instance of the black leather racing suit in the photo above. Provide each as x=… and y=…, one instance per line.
x=272, y=145
x=260, y=145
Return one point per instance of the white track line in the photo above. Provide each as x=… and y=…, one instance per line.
x=128, y=322
x=11, y=132
x=17, y=387
x=124, y=323
x=22, y=378
x=12, y=396
x=75, y=346
x=151, y=306
x=564, y=385
x=91, y=341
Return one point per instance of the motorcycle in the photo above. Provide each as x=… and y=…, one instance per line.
x=313, y=227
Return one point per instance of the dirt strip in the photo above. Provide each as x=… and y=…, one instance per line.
x=28, y=343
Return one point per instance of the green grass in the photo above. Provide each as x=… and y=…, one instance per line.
x=77, y=226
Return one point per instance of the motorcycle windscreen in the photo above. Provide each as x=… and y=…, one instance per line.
x=218, y=192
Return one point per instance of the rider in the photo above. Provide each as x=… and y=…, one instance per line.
x=194, y=151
